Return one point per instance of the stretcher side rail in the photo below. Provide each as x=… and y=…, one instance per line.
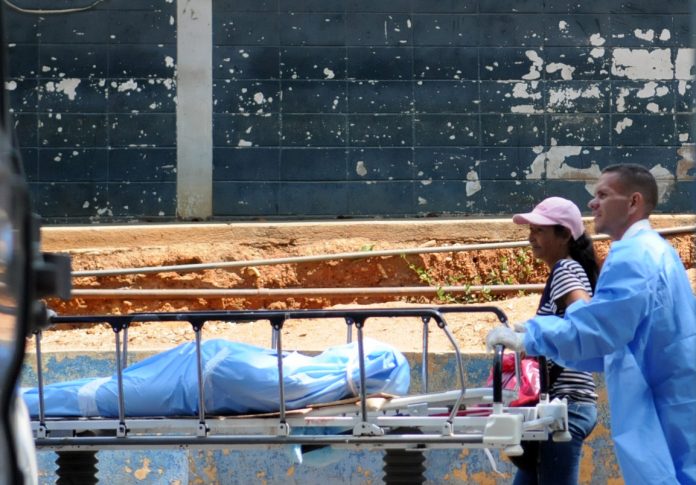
x=433, y=419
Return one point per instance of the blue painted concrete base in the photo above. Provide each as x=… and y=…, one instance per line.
x=276, y=465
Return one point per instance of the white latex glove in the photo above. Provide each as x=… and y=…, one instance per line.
x=520, y=327
x=503, y=335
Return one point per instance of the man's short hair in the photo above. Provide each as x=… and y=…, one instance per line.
x=636, y=178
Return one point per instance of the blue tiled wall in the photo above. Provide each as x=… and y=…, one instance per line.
x=356, y=108
x=94, y=100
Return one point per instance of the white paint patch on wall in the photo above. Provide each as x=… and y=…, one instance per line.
x=360, y=168
x=555, y=166
x=553, y=163
x=597, y=40
x=621, y=100
x=525, y=108
x=67, y=86
x=597, y=52
x=566, y=70
x=648, y=35
x=129, y=85
x=686, y=163
x=665, y=181
x=621, y=125
x=684, y=64
x=642, y=63
x=650, y=90
x=525, y=91
x=564, y=96
x=681, y=87
x=535, y=68
x=473, y=184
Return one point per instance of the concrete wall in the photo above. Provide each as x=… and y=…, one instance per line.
x=279, y=466
x=346, y=108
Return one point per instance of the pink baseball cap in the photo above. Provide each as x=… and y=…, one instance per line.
x=552, y=211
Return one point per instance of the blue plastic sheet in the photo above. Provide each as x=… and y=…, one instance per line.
x=238, y=378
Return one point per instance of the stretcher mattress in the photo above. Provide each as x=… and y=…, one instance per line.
x=237, y=378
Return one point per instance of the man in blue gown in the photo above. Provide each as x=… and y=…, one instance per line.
x=639, y=328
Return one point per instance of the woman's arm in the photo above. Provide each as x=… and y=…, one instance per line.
x=575, y=295
x=571, y=297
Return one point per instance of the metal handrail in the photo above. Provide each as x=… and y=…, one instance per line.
x=283, y=292
x=329, y=257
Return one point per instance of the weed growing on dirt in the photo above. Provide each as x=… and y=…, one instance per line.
x=525, y=264
x=443, y=296
x=518, y=267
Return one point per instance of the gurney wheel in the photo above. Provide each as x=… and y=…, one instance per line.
x=76, y=468
x=403, y=467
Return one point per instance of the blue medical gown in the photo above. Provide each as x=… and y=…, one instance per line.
x=640, y=329
x=238, y=378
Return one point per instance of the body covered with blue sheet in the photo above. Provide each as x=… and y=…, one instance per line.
x=238, y=378
x=640, y=329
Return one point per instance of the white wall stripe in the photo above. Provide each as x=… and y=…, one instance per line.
x=194, y=112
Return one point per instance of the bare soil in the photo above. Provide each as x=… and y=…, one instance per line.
x=175, y=245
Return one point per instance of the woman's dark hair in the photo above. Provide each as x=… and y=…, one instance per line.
x=582, y=251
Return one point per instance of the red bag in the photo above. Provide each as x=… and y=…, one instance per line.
x=529, y=375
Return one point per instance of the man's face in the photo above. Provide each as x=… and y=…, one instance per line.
x=610, y=206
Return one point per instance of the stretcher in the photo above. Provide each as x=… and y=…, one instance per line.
x=460, y=417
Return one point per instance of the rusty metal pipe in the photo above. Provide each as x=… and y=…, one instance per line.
x=281, y=292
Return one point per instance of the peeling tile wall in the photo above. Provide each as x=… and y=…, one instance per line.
x=94, y=101
x=356, y=108
x=404, y=108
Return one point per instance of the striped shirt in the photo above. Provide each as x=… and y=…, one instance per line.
x=567, y=275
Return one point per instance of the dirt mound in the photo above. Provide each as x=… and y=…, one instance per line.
x=190, y=246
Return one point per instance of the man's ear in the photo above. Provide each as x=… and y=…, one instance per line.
x=637, y=204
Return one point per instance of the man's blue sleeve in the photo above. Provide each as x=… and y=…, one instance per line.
x=591, y=330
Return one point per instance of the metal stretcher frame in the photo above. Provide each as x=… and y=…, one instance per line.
x=428, y=420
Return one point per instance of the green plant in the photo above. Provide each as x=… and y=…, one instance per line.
x=518, y=267
x=443, y=296
x=525, y=264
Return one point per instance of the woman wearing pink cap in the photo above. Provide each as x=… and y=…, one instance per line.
x=557, y=236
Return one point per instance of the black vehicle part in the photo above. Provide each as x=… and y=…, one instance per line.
x=403, y=467
x=76, y=468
